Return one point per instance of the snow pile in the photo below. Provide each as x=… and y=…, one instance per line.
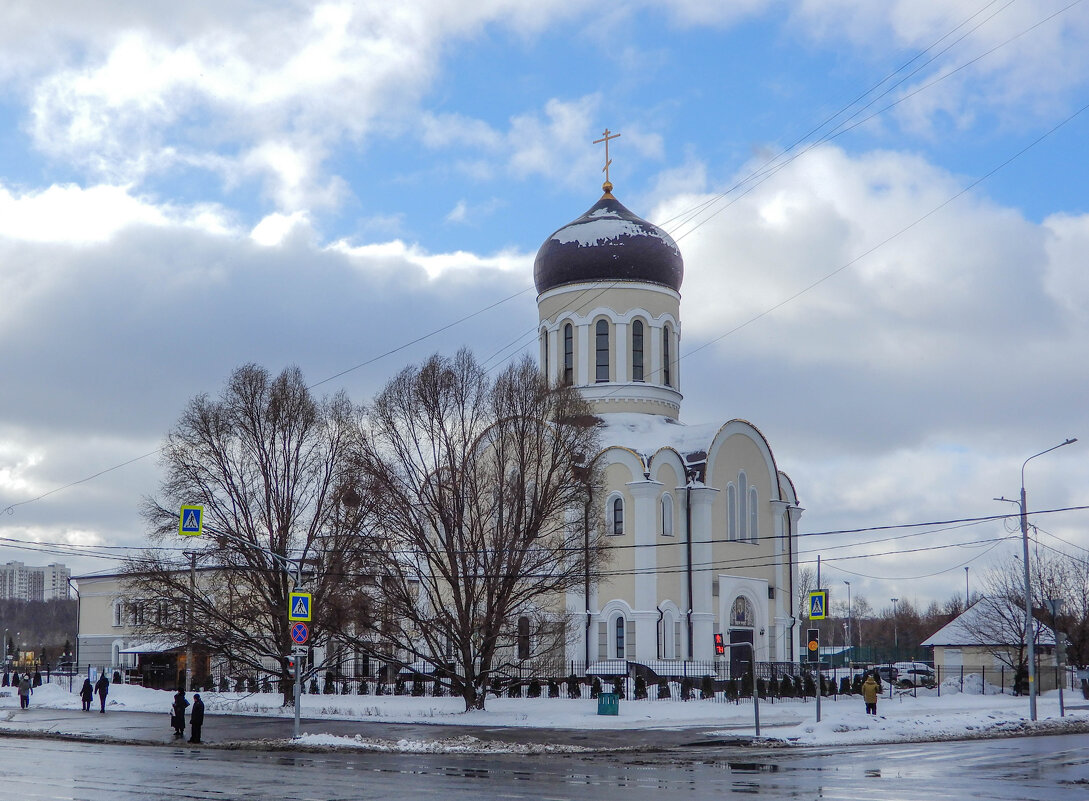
x=450, y=745
x=972, y=684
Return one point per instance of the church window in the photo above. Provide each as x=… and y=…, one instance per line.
x=619, y=637
x=666, y=358
x=742, y=507
x=667, y=515
x=523, y=637
x=637, y=350
x=753, y=516
x=568, y=354
x=602, y=351
x=616, y=516
x=731, y=513
x=668, y=648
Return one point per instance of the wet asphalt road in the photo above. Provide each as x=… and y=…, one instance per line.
x=1040, y=768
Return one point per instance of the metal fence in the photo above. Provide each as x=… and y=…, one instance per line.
x=672, y=680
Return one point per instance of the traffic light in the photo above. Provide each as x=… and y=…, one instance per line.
x=720, y=646
x=291, y=663
x=812, y=650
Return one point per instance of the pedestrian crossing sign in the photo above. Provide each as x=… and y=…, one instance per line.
x=818, y=605
x=298, y=607
x=191, y=521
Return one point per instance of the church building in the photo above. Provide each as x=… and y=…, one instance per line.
x=701, y=522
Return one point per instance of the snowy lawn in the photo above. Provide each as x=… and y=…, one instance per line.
x=902, y=718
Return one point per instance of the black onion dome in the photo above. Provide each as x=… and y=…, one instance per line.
x=608, y=243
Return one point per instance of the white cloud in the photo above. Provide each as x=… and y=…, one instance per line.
x=275, y=228
x=76, y=215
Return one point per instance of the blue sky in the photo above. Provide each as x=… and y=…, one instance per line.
x=317, y=184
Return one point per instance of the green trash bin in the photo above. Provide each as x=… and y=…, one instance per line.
x=608, y=704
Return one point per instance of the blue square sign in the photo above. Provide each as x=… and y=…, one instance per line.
x=298, y=607
x=191, y=521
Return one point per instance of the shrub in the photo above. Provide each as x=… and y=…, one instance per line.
x=553, y=689
x=574, y=687
x=417, y=688
x=328, y=687
x=746, y=685
x=856, y=685
x=845, y=686
x=346, y=688
x=240, y=685
x=362, y=686
x=595, y=688
x=618, y=687
x=399, y=686
x=762, y=688
x=640, y=688
x=437, y=689
x=731, y=690
x=663, y=689
x=514, y=690
x=209, y=684
x=224, y=684
x=379, y=688
x=534, y=690
x=314, y=686
x=266, y=686
x=786, y=687
x=707, y=687
x=686, y=689
x=810, y=687
x=497, y=686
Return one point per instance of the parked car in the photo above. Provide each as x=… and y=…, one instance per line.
x=915, y=674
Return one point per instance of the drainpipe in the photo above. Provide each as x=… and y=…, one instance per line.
x=688, y=549
x=790, y=580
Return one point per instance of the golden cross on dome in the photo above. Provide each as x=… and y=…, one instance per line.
x=605, y=137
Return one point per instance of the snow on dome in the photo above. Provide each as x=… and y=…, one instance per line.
x=608, y=243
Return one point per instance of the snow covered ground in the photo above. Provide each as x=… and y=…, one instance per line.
x=905, y=718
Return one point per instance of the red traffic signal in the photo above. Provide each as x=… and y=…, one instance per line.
x=720, y=645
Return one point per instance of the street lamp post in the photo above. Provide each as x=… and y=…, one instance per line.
x=848, y=613
x=895, y=633
x=1029, y=627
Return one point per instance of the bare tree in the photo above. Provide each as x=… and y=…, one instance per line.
x=267, y=461
x=1065, y=577
x=807, y=582
x=477, y=514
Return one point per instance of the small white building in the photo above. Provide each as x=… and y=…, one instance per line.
x=986, y=638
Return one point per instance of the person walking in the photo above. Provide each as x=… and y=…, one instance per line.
x=102, y=687
x=869, y=694
x=24, y=691
x=178, y=718
x=86, y=693
x=196, y=719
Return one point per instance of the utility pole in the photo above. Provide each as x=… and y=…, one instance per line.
x=189, y=620
x=1030, y=628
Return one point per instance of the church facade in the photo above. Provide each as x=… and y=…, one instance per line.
x=700, y=521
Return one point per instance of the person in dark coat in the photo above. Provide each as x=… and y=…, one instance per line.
x=102, y=687
x=178, y=717
x=196, y=719
x=24, y=691
x=86, y=693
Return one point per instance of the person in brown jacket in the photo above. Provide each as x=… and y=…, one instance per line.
x=869, y=694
